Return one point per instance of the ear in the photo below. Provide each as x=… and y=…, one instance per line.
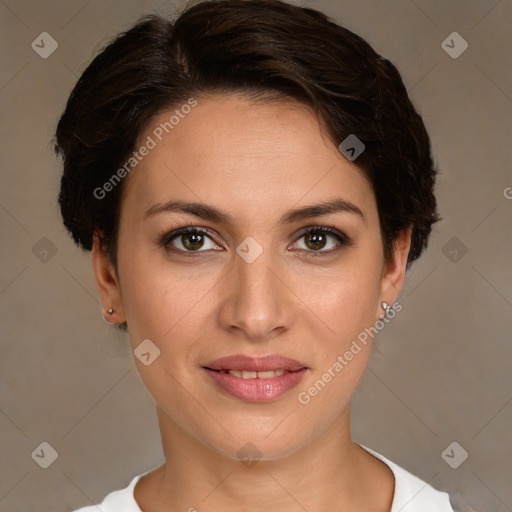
x=393, y=274
x=107, y=283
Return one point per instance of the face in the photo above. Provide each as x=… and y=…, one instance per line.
x=247, y=281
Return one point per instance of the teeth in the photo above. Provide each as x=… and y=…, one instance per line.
x=266, y=375
x=253, y=375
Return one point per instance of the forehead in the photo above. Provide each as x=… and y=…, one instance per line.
x=252, y=156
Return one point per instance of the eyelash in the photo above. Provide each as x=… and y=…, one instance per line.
x=344, y=240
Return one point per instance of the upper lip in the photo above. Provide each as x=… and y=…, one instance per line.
x=255, y=364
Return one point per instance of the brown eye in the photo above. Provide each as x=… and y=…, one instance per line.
x=315, y=241
x=192, y=241
x=318, y=239
x=189, y=239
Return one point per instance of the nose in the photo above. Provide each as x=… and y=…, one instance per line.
x=257, y=304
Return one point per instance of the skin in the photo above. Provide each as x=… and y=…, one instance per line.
x=254, y=161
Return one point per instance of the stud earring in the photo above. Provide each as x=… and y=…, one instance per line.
x=386, y=307
x=109, y=311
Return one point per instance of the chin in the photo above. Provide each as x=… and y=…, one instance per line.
x=255, y=444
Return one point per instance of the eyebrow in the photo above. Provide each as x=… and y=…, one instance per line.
x=211, y=213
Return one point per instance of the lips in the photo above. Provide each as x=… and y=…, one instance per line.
x=255, y=379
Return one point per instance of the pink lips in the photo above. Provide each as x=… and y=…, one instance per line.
x=256, y=389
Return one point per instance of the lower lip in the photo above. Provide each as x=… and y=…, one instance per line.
x=257, y=390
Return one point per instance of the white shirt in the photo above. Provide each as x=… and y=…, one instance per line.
x=411, y=494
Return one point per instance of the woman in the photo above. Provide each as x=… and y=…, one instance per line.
x=253, y=182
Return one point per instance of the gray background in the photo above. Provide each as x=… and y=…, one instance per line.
x=441, y=370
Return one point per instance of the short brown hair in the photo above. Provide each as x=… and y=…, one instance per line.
x=265, y=47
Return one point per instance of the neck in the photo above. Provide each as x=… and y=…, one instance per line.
x=329, y=470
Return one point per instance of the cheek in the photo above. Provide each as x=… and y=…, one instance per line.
x=346, y=307
x=342, y=300
x=145, y=295
x=162, y=301
x=153, y=310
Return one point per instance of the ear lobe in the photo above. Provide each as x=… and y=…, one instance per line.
x=106, y=281
x=393, y=275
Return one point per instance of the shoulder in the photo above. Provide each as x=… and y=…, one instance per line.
x=413, y=494
x=121, y=500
